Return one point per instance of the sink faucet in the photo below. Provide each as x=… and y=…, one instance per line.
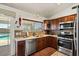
x=34, y=34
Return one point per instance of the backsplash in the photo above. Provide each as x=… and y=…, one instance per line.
x=37, y=33
x=22, y=34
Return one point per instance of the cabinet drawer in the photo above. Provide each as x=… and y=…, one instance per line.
x=21, y=48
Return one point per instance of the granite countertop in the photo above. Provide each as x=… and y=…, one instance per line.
x=33, y=37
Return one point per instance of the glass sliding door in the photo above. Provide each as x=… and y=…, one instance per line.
x=4, y=36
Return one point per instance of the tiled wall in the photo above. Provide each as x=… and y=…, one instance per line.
x=38, y=33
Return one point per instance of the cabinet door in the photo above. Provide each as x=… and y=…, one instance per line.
x=21, y=48
x=52, y=42
x=61, y=19
x=53, y=27
x=55, y=24
x=68, y=18
x=47, y=24
x=38, y=44
x=48, y=41
x=44, y=42
x=73, y=17
x=41, y=43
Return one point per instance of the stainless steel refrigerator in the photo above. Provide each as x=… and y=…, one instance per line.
x=76, y=33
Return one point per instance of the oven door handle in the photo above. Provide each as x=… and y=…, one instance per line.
x=60, y=42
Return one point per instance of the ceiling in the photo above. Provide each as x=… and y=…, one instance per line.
x=42, y=9
x=4, y=18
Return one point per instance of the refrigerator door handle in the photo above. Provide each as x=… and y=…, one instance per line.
x=75, y=45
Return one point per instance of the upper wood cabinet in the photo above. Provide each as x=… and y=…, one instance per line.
x=54, y=23
x=47, y=24
x=51, y=24
x=68, y=18
x=73, y=17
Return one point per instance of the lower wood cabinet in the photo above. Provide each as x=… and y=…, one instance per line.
x=52, y=42
x=21, y=48
x=40, y=44
x=44, y=42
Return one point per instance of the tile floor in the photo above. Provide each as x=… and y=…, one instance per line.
x=57, y=53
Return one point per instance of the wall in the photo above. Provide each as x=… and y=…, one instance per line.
x=67, y=11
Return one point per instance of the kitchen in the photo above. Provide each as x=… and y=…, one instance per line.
x=50, y=37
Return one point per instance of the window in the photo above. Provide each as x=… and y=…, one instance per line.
x=27, y=27
x=38, y=26
x=32, y=26
x=4, y=25
x=4, y=34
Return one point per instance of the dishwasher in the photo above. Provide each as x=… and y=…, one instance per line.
x=30, y=46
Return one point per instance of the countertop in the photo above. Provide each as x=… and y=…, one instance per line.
x=33, y=37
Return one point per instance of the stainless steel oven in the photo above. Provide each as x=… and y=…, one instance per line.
x=66, y=36
x=65, y=43
x=65, y=46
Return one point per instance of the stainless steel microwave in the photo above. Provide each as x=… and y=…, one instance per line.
x=66, y=25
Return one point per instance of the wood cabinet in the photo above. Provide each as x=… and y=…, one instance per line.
x=55, y=23
x=46, y=24
x=21, y=48
x=53, y=27
x=41, y=43
x=68, y=18
x=61, y=19
x=45, y=42
x=52, y=42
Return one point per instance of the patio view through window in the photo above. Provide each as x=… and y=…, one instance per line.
x=4, y=34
